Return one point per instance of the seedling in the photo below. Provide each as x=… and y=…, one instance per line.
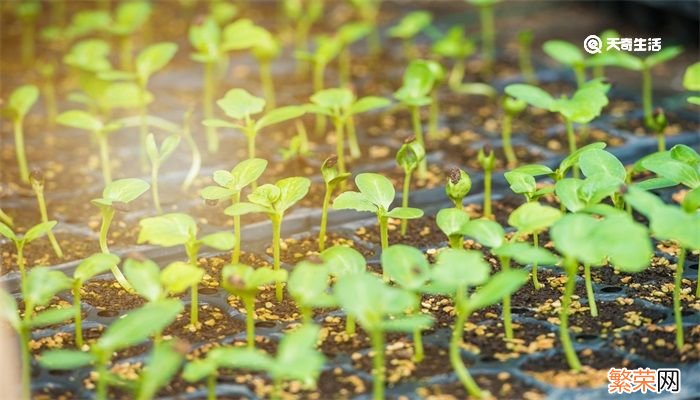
x=128, y=19
x=116, y=196
x=408, y=28
x=587, y=239
x=132, y=329
x=331, y=178
x=297, y=359
x=90, y=267
x=348, y=34
x=309, y=287
x=230, y=185
x=273, y=200
x=457, y=46
x=458, y=186
x=373, y=304
x=27, y=12
x=327, y=48
x=157, y=156
x=47, y=71
x=163, y=363
x=677, y=224
x=487, y=160
x=368, y=11
x=570, y=55
x=302, y=15
x=680, y=165
x=100, y=129
x=511, y=107
x=41, y=285
x=488, y=33
x=6, y=219
x=240, y=106
x=438, y=72
x=222, y=12
x=265, y=51
x=196, y=165
x=454, y=273
x=691, y=82
x=343, y=261
x=18, y=105
x=408, y=158
x=180, y=229
x=418, y=81
x=340, y=105
x=376, y=195
x=525, y=38
x=451, y=222
x=37, y=180
x=20, y=240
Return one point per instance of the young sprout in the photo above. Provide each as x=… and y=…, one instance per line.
x=451, y=222
x=196, y=155
x=20, y=241
x=454, y=273
x=658, y=125
x=528, y=218
x=458, y=186
x=332, y=177
x=368, y=11
x=6, y=219
x=376, y=195
x=691, y=82
x=327, y=48
x=487, y=159
x=21, y=100
x=27, y=12
x=570, y=55
x=222, y=11
x=265, y=51
x=343, y=261
x=593, y=60
x=116, y=196
x=273, y=200
x=488, y=33
x=408, y=158
x=157, y=156
x=37, y=180
x=132, y=329
x=154, y=284
x=525, y=38
x=511, y=107
x=90, y=267
x=418, y=81
x=47, y=71
x=128, y=19
x=309, y=287
x=240, y=106
x=163, y=363
x=458, y=47
x=302, y=15
x=348, y=34
x=438, y=72
x=180, y=229
x=297, y=360
x=678, y=224
x=408, y=28
x=229, y=186
x=41, y=285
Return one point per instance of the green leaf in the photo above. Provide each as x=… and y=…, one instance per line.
x=7, y=232
x=297, y=357
x=60, y=359
x=625, y=242
x=376, y=188
x=410, y=155
x=125, y=190
x=411, y=25
x=38, y=231
x=291, y=191
x=144, y=277
x=80, y=119
x=525, y=253
x=51, y=316
x=596, y=161
x=219, y=123
x=567, y=190
x=308, y=285
x=572, y=159
x=167, y=230
x=154, y=58
x=406, y=265
x=217, y=193
x=239, y=104
x=94, y=265
x=138, y=325
x=586, y=104
x=243, y=208
x=458, y=268
x=488, y=233
x=240, y=34
x=279, y=115
x=244, y=358
x=665, y=166
x=247, y=172
x=43, y=283
x=521, y=183
x=564, y=52
x=220, y=240
x=130, y=16
x=242, y=279
x=180, y=276
x=533, y=217
x=418, y=81
x=354, y=201
x=454, y=44
x=502, y=284
x=197, y=370
x=163, y=363
x=408, y=323
x=530, y=94
x=22, y=99
x=343, y=260
x=572, y=236
x=691, y=78
x=691, y=201
x=8, y=310
x=369, y=103
x=451, y=221
x=619, y=59
x=663, y=55
x=405, y=213
x=333, y=100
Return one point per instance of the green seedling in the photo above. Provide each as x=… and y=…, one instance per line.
x=691, y=82
x=302, y=14
x=47, y=71
x=451, y=222
x=341, y=105
x=157, y=156
x=348, y=34
x=408, y=267
x=677, y=224
x=593, y=60
x=487, y=159
x=589, y=240
x=456, y=46
x=409, y=156
x=27, y=13
x=163, y=363
x=196, y=165
x=376, y=195
x=570, y=55
x=511, y=107
x=458, y=186
x=680, y=165
x=175, y=229
x=6, y=219
x=379, y=308
x=18, y=105
x=368, y=11
x=222, y=11
x=273, y=200
x=229, y=186
x=527, y=219
x=418, y=81
x=454, y=273
x=20, y=240
x=87, y=59
x=245, y=281
x=297, y=360
x=488, y=33
x=240, y=106
x=438, y=72
x=327, y=49
x=37, y=180
x=408, y=28
x=39, y=288
x=154, y=284
x=90, y=267
x=266, y=50
x=332, y=177
x=127, y=20
x=132, y=329
x=309, y=287
x=116, y=196
x=343, y=261
x=525, y=38
x=585, y=105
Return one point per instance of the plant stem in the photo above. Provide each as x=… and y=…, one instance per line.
x=191, y=248
x=268, y=84
x=249, y=303
x=507, y=144
x=107, y=216
x=456, y=74
x=50, y=101
x=571, y=138
x=354, y=145
x=455, y=342
x=143, y=127
x=154, y=189
x=344, y=65
x=433, y=115
x=507, y=318
x=212, y=136
x=27, y=46
x=661, y=140
x=24, y=338
x=487, y=193
x=276, y=238
x=324, y=219
x=377, y=338
x=126, y=47
x=564, y=335
x=211, y=387
x=19, y=150
x=350, y=325
x=404, y=198
x=580, y=73
x=589, y=290
x=647, y=96
x=418, y=131
x=104, y=157
x=456, y=241
x=236, y=253
x=101, y=367
x=536, y=243
x=525, y=62
x=419, y=353
x=677, y=316
x=78, y=314
x=196, y=156
x=45, y=218
x=276, y=389
x=340, y=146
x=487, y=38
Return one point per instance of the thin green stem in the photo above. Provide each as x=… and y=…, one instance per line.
x=455, y=343
x=340, y=145
x=384, y=240
x=677, y=315
x=126, y=48
x=404, y=198
x=507, y=143
x=487, y=193
x=249, y=303
x=276, y=239
x=661, y=141
x=268, y=84
x=50, y=101
x=419, y=353
x=564, y=335
x=589, y=290
x=276, y=389
x=104, y=157
x=433, y=115
x=456, y=241
x=456, y=74
x=324, y=219
x=488, y=37
x=154, y=189
x=571, y=138
x=143, y=127
x=19, y=150
x=101, y=368
x=525, y=62
x=236, y=252
x=377, y=338
x=211, y=387
x=647, y=96
x=191, y=249
x=344, y=65
x=39, y=191
x=107, y=216
x=24, y=338
x=353, y=144
x=535, y=281
x=78, y=314
x=507, y=318
x=418, y=131
x=350, y=325
x=580, y=73
x=208, y=94
x=196, y=156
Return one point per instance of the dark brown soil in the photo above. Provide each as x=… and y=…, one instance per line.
x=216, y=324
x=501, y=386
x=109, y=297
x=422, y=232
x=294, y=250
x=658, y=343
x=40, y=252
x=560, y=144
x=267, y=308
x=487, y=340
